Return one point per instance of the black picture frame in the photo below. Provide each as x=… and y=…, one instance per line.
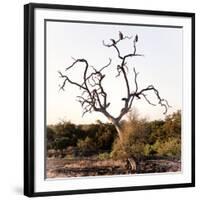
x=29, y=96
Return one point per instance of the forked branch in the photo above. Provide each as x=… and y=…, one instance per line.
x=93, y=94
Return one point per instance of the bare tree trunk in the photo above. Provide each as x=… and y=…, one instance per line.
x=131, y=162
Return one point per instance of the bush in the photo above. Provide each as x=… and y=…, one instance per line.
x=149, y=150
x=105, y=136
x=143, y=139
x=140, y=137
x=171, y=147
x=117, y=151
x=104, y=156
x=50, y=137
x=133, y=139
x=60, y=143
x=86, y=146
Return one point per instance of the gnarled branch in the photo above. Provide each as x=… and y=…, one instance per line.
x=93, y=95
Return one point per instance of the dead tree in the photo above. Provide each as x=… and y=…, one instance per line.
x=93, y=96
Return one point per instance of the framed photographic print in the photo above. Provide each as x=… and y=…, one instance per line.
x=109, y=99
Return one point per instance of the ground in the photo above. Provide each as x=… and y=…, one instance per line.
x=61, y=167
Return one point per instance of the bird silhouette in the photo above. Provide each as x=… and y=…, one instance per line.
x=107, y=105
x=124, y=99
x=103, y=76
x=120, y=35
x=137, y=95
x=136, y=38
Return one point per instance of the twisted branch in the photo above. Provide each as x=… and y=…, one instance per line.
x=94, y=97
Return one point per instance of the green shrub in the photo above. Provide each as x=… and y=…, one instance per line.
x=86, y=146
x=60, y=143
x=117, y=151
x=69, y=157
x=133, y=140
x=149, y=150
x=104, y=156
x=140, y=137
x=171, y=147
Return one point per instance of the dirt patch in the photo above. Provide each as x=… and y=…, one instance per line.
x=57, y=167
x=159, y=166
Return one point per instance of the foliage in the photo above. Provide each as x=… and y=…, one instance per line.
x=141, y=138
x=104, y=156
x=134, y=139
x=61, y=143
x=155, y=138
x=86, y=146
x=87, y=137
x=171, y=147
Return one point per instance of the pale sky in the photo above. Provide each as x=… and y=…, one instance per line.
x=160, y=66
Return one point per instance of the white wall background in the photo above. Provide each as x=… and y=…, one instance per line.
x=11, y=98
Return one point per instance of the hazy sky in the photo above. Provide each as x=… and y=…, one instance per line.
x=160, y=66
